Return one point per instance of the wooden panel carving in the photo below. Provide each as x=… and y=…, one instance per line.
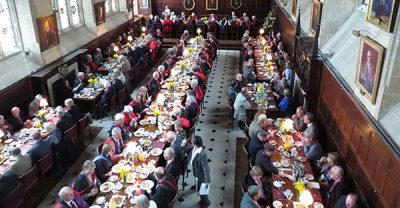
x=372, y=165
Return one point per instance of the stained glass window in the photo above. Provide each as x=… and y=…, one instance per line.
x=68, y=13
x=8, y=40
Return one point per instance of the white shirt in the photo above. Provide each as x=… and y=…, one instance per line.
x=194, y=153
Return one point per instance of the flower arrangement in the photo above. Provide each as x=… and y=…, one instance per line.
x=269, y=64
x=143, y=34
x=266, y=48
x=41, y=116
x=123, y=174
x=92, y=80
x=128, y=44
x=197, y=38
x=182, y=64
x=115, y=56
x=171, y=86
x=270, y=20
x=299, y=186
x=157, y=112
x=190, y=49
x=260, y=88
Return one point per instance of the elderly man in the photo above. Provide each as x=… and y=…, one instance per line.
x=338, y=188
x=117, y=144
x=116, y=83
x=257, y=144
x=258, y=124
x=241, y=105
x=311, y=125
x=240, y=82
x=154, y=84
x=312, y=148
x=65, y=121
x=248, y=73
x=198, y=91
x=22, y=163
x=5, y=129
x=18, y=119
x=119, y=123
x=251, y=197
x=262, y=159
x=162, y=72
x=173, y=165
x=231, y=92
x=166, y=188
x=34, y=106
x=53, y=134
x=191, y=109
x=286, y=102
x=98, y=57
x=120, y=75
x=92, y=65
x=8, y=182
x=79, y=83
x=105, y=100
x=40, y=148
x=73, y=110
x=348, y=201
x=175, y=144
x=298, y=119
x=69, y=199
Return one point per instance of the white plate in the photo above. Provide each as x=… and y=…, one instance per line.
x=147, y=184
x=100, y=200
x=309, y=177
x=318, y=205
x=8, y=141
x=277, y=184
x=272, y=142
x=156, y=152
x=121, y=203
x=119, y=186
x=107, y=187
x=117, y=168
x=276, y=164
x=95, y=206
x=113, y=178
x=277, y=204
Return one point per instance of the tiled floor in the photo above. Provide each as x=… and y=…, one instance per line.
x=214, y=127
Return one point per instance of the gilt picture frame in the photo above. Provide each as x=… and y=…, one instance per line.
x=144, y=4
x=47, y=32
x=382, y=13
x=315, y=15
x=211, y=5
x=189, y=4
x=236, y=4
x=294, y=7
x=100, y=12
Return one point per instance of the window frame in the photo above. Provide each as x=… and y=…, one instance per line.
x=69, y=13
x=15, y=30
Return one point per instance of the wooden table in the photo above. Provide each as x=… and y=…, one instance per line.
x=272, y=109
x=90, y=103
x=278, y=193
x=262, y=72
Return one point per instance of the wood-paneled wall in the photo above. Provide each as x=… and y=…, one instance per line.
x=251, y=7
x=369, y=160
x=19, y=94
x=286, y=27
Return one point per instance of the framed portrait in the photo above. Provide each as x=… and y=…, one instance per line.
x=211, y=4
x=369, y=68
x=236, y=4
x=100, y=12
x=382, y=13
x=189, y=4
x=144, y=4
x=129, y=5
x=294, y=7
x=47, y=32
x=315, y=15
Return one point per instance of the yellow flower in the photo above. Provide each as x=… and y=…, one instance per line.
x=190, y=49
x=128, y=44
x=266, y=48
x=123, y=171
x=299, y=186
x=157, y=113
x=115, y=55
x=41, y=113
x=182, y=64
x=171, y=84
x=92, y=80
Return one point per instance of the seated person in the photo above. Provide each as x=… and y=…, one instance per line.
x=191, y=109
x=338, y=188
x=34, y=106
x=22, y=163
x=119, y=75
x=286, y=102
x=8, y=182
x=257, y=144
x=40, y=148
x=119, y=123
x=298, y=119
x=65, y=121
x=251, y=197
x=162, y=72
x=154, y=84
x=176, y=144
x=166, y=188
x=240, y=82
x=73, y=110
x=240, y=106
x=326, y=163
x=18, y=119
x=5, y=132
x=311, y=125
x=53, y=135
x=117, y=144
x=197, y=90
x=263, y=160
x=184, y=123
x=145, y=98
x=136, y=105
x=231, y=93
x=248, y=74
x=104, y=163
x=348, y=201
x=105, y=100
x=116, y=83
x=79, y=83
x=173, y=164
x=93, y=66
x=69, y=199
x=256, y=178
x=258, y=124
x=130, y=118
x=86, y=184
x=311, y=147
x=98, y=57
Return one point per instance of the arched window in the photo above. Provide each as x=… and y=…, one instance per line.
x=9, y=43
x=69, y=13
x=112, y=6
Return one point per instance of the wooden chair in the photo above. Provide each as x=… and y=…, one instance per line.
x=72, y=134
x=235, y=31
x=84, y=123
x=172, y=203
x=15, y=198
x=223, y=33
x=246, y=147
x=231, y=111
x=122, y=97
x=46, y=163
x=30, y=178
x=113, y=105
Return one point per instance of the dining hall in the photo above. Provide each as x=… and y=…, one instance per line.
x=199, y=103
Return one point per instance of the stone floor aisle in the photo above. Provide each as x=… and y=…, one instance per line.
x=214, y=127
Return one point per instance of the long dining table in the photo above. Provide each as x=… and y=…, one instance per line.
x=144, y=149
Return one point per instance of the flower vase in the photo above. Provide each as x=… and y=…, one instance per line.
x=124, y=179
x=156, y=120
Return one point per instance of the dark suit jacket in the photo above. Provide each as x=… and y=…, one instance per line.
x=165, y=191
x=299, y=124
x=154, y=87
x=16, y=124
x=82, y=186
x=105, y=98
x=341, y=203
x=201, y=170
x=39, y=149
x=254, y=146
x=65, y=122
x=249, y=181
x=81, y=84
x=102, y=168
x=75, y=113
x=265, y=164
x=118, y=85
x=174, y=168
x=334, y=193
x=176, y=145
x=78, y=201
x=124, y=133
x=190, y=112
x=8, y=183
x=54, y=137
x=232, y=94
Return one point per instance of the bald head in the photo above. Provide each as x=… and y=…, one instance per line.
x=159, y=173
x=351, y=200
x=66, y=194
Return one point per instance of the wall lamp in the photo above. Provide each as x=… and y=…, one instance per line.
x=358, y=33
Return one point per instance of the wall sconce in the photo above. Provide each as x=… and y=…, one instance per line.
x=198, y=31
x=143, y=29
x=358, y=33
x=262, y=31
x=116, y=48
x=130, y=38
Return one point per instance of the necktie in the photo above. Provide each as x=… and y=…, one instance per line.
x=73, y=205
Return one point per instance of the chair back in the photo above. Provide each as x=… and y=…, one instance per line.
x=172, y=203
x=72, y=133
x=15, y=198
x=46, y=163
x=246, y=147
x=100, y=148
x=122, y=95
x=30, y=178
x=84, y=122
